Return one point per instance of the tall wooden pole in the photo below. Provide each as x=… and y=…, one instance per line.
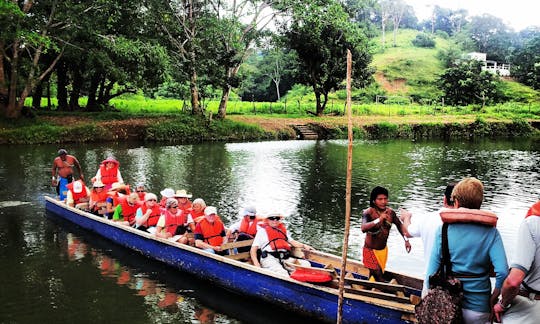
x=347, y=191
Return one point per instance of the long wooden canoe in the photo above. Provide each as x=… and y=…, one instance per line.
x=365, y=302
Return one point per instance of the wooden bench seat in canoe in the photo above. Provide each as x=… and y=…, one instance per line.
x=231, y=247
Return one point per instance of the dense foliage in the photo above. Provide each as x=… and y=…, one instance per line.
x=95, y=51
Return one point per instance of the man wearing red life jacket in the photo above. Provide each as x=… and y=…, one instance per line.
x=210, y=231
x=245, y=228
x=275, y=245
x=109, y=172
x=78, y=195
x=183, y=200
x=148, y=214
x=173, y=224
x=126, y=209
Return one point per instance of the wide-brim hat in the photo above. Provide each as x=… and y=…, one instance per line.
x=167, y=192
x=117, y=186
x=182, y=194
x=110, y=159
x=98, y=184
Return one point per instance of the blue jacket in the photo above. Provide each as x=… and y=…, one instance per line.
x=473, y=248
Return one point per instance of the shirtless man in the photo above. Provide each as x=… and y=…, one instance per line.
x=376, y=223
x=63, y=166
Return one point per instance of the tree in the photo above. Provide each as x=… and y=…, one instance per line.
x=465, y=83
x=491, y=36
x=385, y=6
x=185, y=22
x=24, y=37
x=321, y=45
x=526, y=63
x=232, y=39
x=397, y=10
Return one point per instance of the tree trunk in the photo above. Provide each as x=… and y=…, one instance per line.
x=36, y=96
x=92, y=91
x=196, y=108
x=61, y=84
x=3, y=84
x=222, y=110
x=76, y=91
x=277, y=89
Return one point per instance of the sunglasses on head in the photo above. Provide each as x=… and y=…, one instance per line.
x=274, y=218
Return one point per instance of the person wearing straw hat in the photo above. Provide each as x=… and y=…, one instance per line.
x=62, y=172
x=98, y=198
x=117, y=191
x=183, y=200
x=109, y=172
x=274, y=243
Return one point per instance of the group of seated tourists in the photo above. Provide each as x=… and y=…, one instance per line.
x=176, y=218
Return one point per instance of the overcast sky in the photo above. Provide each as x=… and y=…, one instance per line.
x=517, y=14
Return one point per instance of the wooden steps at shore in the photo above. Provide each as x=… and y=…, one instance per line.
x=305, y=132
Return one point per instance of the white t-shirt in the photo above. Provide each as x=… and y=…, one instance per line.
x=527, y=253
x=261, y=240
x=425, y=227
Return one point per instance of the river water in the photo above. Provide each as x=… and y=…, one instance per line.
x=54, y=271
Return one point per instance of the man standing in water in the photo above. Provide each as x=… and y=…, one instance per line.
x=376, y=223
x=63, y=165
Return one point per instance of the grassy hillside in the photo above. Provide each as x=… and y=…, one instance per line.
x=408, y=70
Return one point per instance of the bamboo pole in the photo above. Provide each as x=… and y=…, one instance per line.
x=347, y=191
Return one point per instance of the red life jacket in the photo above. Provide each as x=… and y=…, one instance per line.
x=184, y=207
x=154, y=215
x=99, y=197
x=197, y=216
x=128, y=211
x=141, y=195
x=246, y=228
x=173, y=221
x=77, y=196
x=108, y=176
x=534, y=210
x=212, y=231
x=277, y=237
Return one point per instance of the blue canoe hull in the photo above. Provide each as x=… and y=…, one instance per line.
x=307, y=299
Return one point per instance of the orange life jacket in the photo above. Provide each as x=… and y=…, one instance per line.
x=246, y=228
x=185, y=207
x=99, y=197
x=172, y=221
x=108, y=176
x=128, y=211
x=212, y=231
x=77, y=196
x=154, y=215
x=277, y=237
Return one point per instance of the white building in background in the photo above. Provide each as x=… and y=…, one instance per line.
x=492, y=66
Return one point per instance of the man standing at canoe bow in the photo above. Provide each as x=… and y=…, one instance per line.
x=63, y=167
x=376, y=223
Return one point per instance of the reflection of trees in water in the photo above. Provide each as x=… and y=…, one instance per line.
x=164, y=304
